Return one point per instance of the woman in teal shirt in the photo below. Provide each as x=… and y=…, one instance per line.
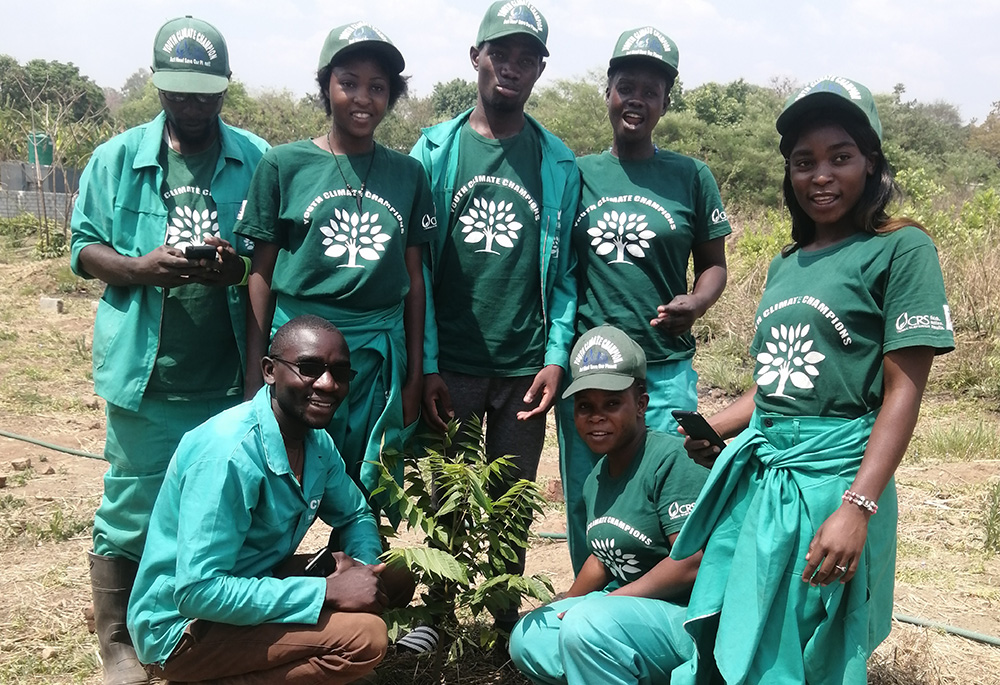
x=798, y=518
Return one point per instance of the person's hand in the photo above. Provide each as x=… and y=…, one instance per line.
x=226, y=269
x=677, y=316
x=702, y=452
x=437, y=402
x=164, y=267
x=835, y=549
x=412, y=395
x=546, y=384
x=355, y=587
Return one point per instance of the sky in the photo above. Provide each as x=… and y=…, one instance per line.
x=939, y=50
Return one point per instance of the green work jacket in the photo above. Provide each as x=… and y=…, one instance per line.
x=121, y=205
x=438, y=151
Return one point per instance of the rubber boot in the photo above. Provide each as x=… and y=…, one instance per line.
x=111, y=580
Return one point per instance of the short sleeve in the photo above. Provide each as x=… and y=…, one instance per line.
x=681, y=480
x=423, y=226
x=712, y=219
x=258, y=220
x=915, y=306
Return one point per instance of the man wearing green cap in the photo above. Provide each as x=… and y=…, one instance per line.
x=154, y=221
x=500, y=309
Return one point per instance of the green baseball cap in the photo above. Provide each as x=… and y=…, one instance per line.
x=511, y=17
x=360, y=36
x=190, y=56
x=831, y=93
x=605, y=358
x=649, y=45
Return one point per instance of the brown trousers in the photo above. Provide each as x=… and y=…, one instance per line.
x=341, y=648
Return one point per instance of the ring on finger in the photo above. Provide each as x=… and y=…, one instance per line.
x=842, y=569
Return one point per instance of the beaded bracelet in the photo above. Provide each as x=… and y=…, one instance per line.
x=865, y=503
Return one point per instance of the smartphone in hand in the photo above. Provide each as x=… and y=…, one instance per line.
x=695, y=425
x=321, y=564
x=196, y=252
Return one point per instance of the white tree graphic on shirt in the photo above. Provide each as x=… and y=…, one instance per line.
x=357, y=236
x=619, y=563
x=189, y=226
x=621, y=232
x=492, y=221
x=789, y=358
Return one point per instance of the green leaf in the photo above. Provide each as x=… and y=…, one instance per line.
x=436, y=562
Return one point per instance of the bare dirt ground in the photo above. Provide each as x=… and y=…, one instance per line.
x=943, y=575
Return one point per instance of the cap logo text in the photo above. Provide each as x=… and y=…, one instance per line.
x=827, y=83
x=361, y=30
x=189, y=46
x=598, y=353
x=646, y=41
x=521, y=13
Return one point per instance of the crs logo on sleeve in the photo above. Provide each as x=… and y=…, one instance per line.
x=429, y=221
x=908, y=322
x=719, y=215
x=676, y=511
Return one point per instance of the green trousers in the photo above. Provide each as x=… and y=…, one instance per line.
x=138, y=447
x=671, y=385
x=601, y=639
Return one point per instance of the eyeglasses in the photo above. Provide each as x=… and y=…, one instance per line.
x=200, y=98
x=312, y=371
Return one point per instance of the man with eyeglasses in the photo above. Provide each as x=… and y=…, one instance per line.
x=219, y=595
x=154, y=221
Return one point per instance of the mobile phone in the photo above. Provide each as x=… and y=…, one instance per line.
x=695, y=425
x=320, y=564
x=195, y=252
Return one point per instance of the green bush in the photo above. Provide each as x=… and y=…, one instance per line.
x=52, y=245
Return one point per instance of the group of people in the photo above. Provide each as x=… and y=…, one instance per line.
x=348, y=291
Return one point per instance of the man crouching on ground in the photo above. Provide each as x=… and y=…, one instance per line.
x=209, y=602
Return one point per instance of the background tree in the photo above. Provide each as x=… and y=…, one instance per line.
x=452, y=98
x=575, y=111
x=135, y=84
x=985, y=137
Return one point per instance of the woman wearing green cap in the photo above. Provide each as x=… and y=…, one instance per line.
x=339, y=224
x=644, y=213
x=798, y=518
x=621, y=621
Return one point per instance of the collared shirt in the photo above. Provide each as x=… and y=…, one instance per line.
x=229, y=511
x=120, y=206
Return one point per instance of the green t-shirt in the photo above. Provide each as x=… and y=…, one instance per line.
x=630, y=518
x=197, y=357
x=330, y=250
x=827, y=317
x=636, y=226
x=488, y=296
